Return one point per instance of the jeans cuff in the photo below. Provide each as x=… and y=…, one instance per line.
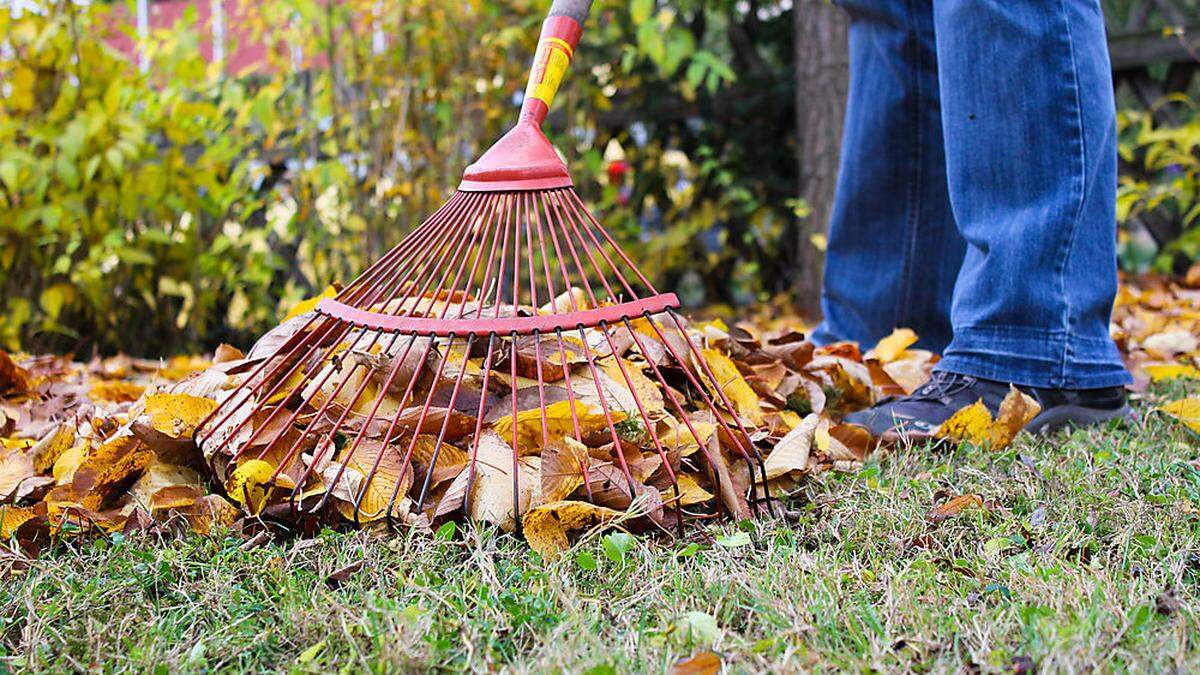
x=1034, y=358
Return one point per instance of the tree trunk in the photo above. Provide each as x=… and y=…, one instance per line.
x=822, y=76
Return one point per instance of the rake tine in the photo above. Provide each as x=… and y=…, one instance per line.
x=383, y=391
x=616, y=247
x=588, y=353
x=645, y=417
x=354, y=400
x=687, y=371
x=416, y=431
x=576, y=226
x=516, y=449
x=333, y=325
x=291, y=453
x=562, y=351
x=362, y=432
x=437, y=446
x=387, y=435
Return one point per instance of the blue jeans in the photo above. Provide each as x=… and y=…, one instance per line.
x=977, y=190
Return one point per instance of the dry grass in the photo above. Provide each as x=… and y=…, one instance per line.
x=1087, y=555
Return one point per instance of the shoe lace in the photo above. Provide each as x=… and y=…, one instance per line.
x=941, y=385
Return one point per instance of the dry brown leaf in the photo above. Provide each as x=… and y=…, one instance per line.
x=450, y=459
x=14, y=379
x=733, y=498
x=842, y=442
x=954, y=506
x=174, y=497
x=704, y=663
x=210, y=511
x=791, y=453
x=227, y=353
x=16, y=465
x=491, y=497
x=562, y=468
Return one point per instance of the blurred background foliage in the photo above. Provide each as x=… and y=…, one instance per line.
x=173, y=206
x=178, y=207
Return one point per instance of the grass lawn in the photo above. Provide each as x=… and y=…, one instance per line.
x=1085, y=555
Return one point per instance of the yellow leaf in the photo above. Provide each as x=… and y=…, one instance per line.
x=249, y=486
x=740, y=394
x=690, y=491
x=1186, y=410
x=47, y=451
x=309, y=304
x=115, y=392
x=681, y=438
x=113, y=467
x=67, y=463
x=369, y=476
x=892, y=347
x=790, y=419
x=1016, y=411
x=558, y=424
x=972, y=424
x=177, y=415
x=180, y=367
x=1161, y=372
x=13, y=517
x=546, y=526
x=645, y=389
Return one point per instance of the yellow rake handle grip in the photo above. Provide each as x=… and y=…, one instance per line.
x=560, y=35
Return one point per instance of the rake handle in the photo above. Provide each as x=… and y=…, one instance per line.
x=560, y=35
x=576, y=9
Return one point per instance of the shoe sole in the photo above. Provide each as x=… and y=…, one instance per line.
x=1073, y=416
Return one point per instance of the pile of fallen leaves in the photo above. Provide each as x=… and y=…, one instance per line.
x=108, y=446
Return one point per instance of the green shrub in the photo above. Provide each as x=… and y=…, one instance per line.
x=173, y=208
x=1160, y=186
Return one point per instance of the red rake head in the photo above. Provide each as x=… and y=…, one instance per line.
x=508, y=340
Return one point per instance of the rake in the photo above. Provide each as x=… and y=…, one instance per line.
x=514, y=269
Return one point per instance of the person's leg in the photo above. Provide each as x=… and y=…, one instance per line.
x=893, y=249
x=1029, y=125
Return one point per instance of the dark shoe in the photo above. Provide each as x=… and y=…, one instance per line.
x=919, y=414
